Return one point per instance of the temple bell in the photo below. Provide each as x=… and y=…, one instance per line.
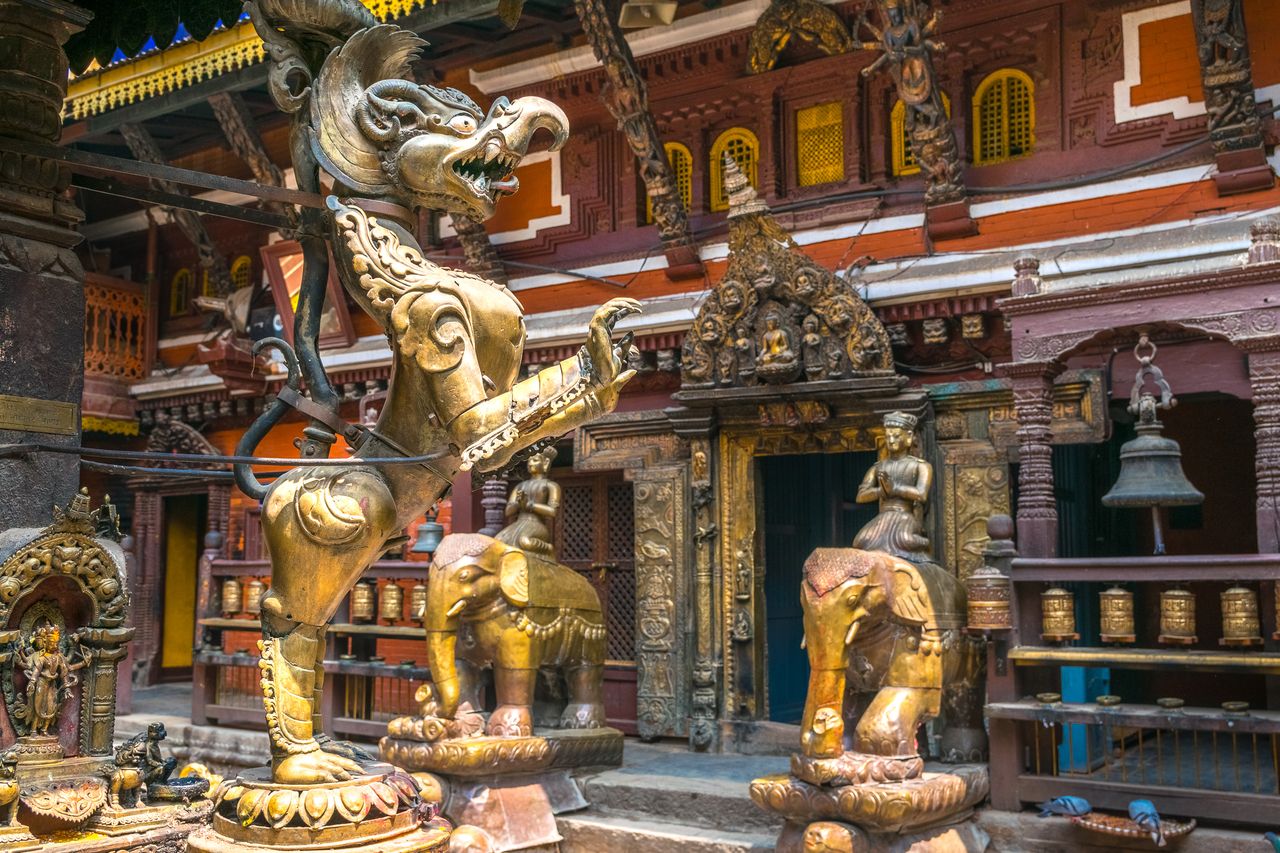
x=1151, y=465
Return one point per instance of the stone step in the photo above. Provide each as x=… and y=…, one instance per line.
x=587, y=832
x=697, y=801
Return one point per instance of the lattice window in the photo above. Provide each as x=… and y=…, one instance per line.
x=742, y=145
x=242, y=272
x=180, y=292
x=622, y=523
x=682, y=170
x=904, y=159
x=620, y=613
x=578, y=523
x=1004, y=117
x=820, y=144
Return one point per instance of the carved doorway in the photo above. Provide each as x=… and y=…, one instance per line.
x=185, y=523
x=807, y=501
x=595, y=535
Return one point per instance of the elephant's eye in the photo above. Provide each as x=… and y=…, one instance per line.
x=464, y=575
x=463, y=123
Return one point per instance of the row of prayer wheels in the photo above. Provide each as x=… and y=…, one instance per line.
x=1241, y=625
x=237, y=599
x=368, y=603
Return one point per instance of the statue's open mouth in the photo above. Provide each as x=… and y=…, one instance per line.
x=490, y=171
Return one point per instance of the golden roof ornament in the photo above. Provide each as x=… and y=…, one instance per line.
x=776, y=316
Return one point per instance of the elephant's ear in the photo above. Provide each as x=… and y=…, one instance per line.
x=513, y=578
x=908, y=596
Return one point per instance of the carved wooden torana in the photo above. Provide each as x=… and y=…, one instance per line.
x=811, y=21
x=777, y=316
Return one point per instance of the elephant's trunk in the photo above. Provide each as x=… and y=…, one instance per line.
x=441, y=623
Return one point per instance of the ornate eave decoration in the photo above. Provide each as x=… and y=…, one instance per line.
x=785, y=19
x=777, y=317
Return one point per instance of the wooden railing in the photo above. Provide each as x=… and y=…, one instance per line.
x=1193, y=754
x=117, y=342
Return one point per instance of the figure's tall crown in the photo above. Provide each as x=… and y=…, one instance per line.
x=742, y=197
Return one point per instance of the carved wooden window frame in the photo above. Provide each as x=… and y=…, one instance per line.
x=902, y=161
x=180, y=300
x=1002, y=78
x=683, y=179
x=717, y=200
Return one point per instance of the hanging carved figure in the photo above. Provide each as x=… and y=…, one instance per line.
x=393, y=146
x=907, y=44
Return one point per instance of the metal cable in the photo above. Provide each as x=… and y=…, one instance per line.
x=155, y=456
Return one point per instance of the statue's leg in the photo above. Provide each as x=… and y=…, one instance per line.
x=888, y=727
x=586, y=697
x=290, y=654
x=514, y=714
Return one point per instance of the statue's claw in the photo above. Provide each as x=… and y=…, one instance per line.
x=316, y=767
x=607, y=361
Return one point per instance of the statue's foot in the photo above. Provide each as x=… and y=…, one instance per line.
x=346, y=749
x=582, y=715
x=316, y=767
x=511, y=721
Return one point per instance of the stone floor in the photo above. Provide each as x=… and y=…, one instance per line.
x=664, y=799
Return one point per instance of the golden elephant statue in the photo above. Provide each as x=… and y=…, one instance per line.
x=493, y=605
x=889, y=635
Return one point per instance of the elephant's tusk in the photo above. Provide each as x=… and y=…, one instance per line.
x=458, y=606
x=804, y=642
x=852, y=632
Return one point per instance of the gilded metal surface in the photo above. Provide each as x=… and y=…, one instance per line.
x=362, y=602
x=139, y=763
x=68, y=800
x=879, y=807
x=776, y=316
x=907, y=44
x=900, y=483
x=851, y=768
x=811, y=21
x=391, y=602
x=418, y=602
x=253, y=591
x=532, y=508
x=1058, y=615
x=1116, y=615
x=493, y=605
x=988, y=597
x=457, y=338
x=29, y=414
x=1240, y=624
x=488, y=756
x=49, y=666
x=893, y=629
x=13, y=833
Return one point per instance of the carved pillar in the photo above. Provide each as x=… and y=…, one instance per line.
x=1264, y=376
x=494, y=501
x=1033, y=406
x=661, y=504
x=628, y=100
x=41, y=280
x=1226, y=74
x=482, y=257
x=98, y=692
x=148, y=517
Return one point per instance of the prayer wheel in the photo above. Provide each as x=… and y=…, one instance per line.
x=1117, y=616
x=1240, y=624
x=988, y=600
x=1058, y=615
x=230, y=597
x=362, y=605
x=253, y=596
x=1177, y=617
x=418, y=602
x=391, y=605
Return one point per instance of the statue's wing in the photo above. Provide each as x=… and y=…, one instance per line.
x=378, y=53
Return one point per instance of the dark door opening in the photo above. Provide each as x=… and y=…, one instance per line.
x=185, y=522
x=808, y=502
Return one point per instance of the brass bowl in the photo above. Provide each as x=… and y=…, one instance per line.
x=1108, y=701
x=1239, y=708
x=1170, y=703
x=1048, y=698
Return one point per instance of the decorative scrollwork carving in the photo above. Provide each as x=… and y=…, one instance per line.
x=785, y=19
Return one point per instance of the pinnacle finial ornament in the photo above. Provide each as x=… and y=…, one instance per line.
x=743, y=199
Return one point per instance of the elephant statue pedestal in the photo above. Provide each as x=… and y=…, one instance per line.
x=887, y=653
x=539, y=628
